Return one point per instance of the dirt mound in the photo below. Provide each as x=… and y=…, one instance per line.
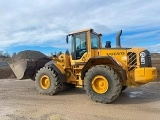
x=28, y=54
x=6, y=72
x=26, y=63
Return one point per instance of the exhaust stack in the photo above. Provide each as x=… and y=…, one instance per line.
x=118, y=42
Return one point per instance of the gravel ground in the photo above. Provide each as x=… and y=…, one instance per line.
x=20, y=101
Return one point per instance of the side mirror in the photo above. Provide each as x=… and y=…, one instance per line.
x=67, y=39
x=100, y=35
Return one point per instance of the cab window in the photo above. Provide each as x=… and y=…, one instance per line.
x=94, y=41
x=79, y=45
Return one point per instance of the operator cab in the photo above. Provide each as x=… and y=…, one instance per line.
x=83, y=41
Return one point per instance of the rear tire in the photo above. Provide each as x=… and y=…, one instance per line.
x=47, y=81
x=102, y=84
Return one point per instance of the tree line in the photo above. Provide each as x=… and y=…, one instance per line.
x=4, y=54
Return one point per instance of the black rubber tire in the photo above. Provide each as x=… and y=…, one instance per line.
x=55, y=85
x=114, y=82
x=123, y=88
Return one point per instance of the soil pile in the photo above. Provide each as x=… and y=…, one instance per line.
x=5, y=70
x=27, y=54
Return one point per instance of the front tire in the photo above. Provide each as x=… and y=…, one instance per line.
x=47, y=81
x=102, y=84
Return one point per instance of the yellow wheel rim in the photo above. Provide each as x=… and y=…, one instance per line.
x=100, y=84
x=45, y=82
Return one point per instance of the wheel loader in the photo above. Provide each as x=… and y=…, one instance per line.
x=104, y=72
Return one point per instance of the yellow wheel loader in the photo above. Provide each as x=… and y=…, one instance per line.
x=103, y=72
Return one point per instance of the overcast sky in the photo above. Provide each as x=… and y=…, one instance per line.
x=42, y=24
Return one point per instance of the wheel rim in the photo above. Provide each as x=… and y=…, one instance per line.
x=100, y=84
x=45, y=82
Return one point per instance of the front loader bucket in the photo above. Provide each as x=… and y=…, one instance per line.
x=23, y=69
x=26, y=63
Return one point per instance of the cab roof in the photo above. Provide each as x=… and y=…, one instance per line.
x=84, y=30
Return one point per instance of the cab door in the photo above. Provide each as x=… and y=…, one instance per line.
x=80, y=48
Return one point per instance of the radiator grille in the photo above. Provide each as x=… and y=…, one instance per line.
x=132, y=60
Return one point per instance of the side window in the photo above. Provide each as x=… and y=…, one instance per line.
x=94, y=41
x=81, y=46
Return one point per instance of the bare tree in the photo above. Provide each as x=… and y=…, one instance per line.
x=1, y=52
x=51, y=54
x=6, y=54
x=14, y=54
